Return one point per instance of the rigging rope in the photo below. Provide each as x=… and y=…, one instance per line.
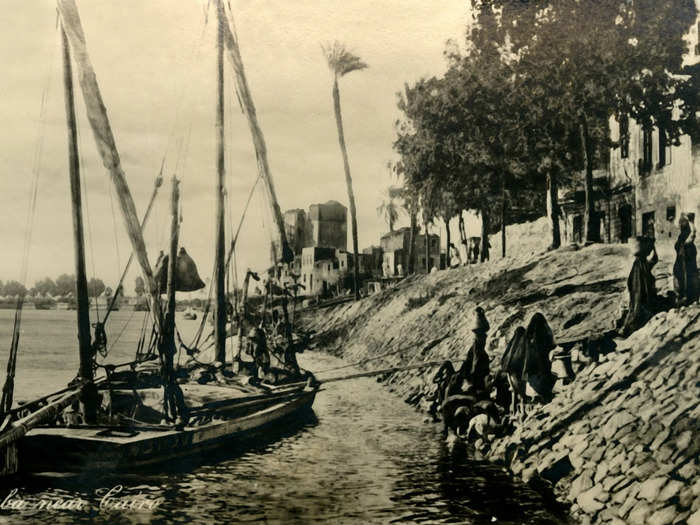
x=9, y=385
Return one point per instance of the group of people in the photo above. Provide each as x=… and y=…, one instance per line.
x=644, y=301
x=472, y=249
x=476, y=402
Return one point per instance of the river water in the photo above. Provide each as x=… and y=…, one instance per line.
x=363, y=456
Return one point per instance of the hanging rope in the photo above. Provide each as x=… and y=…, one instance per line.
x=232, y=248
x=120, y=286
x=37, y=163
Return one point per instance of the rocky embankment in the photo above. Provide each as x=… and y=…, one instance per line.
x=620, y=442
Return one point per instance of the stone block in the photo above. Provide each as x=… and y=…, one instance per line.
x=651, y=488
x=639, y=514
x=589, y=501
x=694, y=518
x=663, y=516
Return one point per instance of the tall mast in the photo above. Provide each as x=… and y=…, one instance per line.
x=220, y=298
x=85, y=371
x=106, y=146
x=171, y=405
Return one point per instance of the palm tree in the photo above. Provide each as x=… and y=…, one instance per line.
x=390, y=208
x=341, y=62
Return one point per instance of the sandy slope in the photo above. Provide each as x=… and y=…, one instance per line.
x=621, y=442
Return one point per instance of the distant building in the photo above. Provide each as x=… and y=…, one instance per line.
x=329, y=271
x=327, y=225
x=396, y=247
x=295, y=228
x=375, y=256
x=324, y=226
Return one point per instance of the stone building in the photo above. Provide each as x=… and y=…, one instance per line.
x=662, y=177
x=327, y=225
x=328, y=271
x=295, y=228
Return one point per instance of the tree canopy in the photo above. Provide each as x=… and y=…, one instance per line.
x=526, y=105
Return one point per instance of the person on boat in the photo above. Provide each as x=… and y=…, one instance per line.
x=685, y=268
x=641, y=286
x=260, y=352
x=475, y=368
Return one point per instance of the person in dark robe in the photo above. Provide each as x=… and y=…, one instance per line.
x=641, y=286
x=260, y=352
x=685, y=268
x=537, y=369
x=475, y=369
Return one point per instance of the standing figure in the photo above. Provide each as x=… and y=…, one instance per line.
x=641, y=286
x=455, y=257
x=685, y=269
x=259, y=351
x=475, y=368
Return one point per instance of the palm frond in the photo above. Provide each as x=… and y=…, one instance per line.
x=340, y=60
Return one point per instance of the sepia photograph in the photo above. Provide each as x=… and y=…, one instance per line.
x=350, y=262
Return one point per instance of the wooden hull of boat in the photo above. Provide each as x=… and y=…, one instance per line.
x=80, y=450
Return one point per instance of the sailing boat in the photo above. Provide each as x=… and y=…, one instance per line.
x=145, y=412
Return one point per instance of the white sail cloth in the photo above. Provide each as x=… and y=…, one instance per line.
x=104, y=139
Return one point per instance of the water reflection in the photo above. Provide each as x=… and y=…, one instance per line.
x=362, y=456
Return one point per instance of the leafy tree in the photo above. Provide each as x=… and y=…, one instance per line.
x=341, y=62
x=583, y=64
x=390, y=208
x=95, y=287
x=14, y=289
x=46, y=287
x=65, y=285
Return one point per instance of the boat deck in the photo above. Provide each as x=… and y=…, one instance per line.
x=59, y=449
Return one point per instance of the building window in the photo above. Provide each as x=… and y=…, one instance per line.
x=664, y=148
x=647, y=142
x=671, y=213
x=648, y=229
x=624, y=136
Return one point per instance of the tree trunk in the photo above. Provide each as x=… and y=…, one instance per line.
x=427, y=248
x=503, y=219
x=348, y=181
x=463, y=236
x=448, y=261
x=553, y=210
x=412, y=243
x=484, y=235
x=592, y=234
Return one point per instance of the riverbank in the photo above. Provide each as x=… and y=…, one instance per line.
x=620, y=443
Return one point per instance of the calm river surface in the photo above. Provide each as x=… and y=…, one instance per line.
x=363, y=456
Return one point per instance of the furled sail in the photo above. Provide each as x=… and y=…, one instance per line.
x=234, y=54
x=104, y=138
x=187, y=277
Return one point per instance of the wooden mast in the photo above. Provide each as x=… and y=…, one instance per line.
x=171, y=396
x=219, y=274
x=85, y=371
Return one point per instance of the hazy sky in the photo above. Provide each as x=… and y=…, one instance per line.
x=155, y=64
